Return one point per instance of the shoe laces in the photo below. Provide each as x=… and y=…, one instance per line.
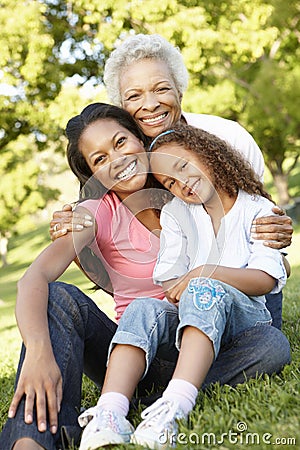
x=161, y=413
x=99, y=418
x=87, y=416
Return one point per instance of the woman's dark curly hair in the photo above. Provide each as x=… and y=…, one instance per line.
x=228, y=168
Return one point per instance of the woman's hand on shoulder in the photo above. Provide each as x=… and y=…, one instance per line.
x=68, y=220
x=275, y=230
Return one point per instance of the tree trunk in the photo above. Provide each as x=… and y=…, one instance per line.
x=3, y=250
x=281, y=184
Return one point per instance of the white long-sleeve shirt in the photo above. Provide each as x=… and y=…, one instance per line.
x=188, y=240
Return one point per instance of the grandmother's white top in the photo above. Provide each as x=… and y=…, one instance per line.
x=233, y=133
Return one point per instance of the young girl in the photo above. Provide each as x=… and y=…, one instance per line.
x=208, y=261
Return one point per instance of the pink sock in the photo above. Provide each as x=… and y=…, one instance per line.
x=183, y=392
x=114, y=401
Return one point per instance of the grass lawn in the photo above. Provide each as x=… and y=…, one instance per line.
x=256, y=414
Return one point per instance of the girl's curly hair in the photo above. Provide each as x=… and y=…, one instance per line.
x=228, y=168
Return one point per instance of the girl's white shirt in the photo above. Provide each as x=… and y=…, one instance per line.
x=188, y=240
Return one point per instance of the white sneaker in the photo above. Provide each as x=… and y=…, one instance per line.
x=159, y=428
x=103, y=428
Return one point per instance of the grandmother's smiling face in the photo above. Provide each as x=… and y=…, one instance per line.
x=149, y=94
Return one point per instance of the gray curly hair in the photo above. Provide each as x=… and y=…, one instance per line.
x=142, y=46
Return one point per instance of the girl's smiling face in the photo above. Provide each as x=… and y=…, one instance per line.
x=181, y=172
x=116, y=157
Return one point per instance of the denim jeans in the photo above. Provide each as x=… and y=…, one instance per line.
x=81, y=333
x=220, y=311
x=274, y=305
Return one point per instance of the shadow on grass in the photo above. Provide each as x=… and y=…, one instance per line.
x=8, y=328
x=23, y=249
x=37, y=237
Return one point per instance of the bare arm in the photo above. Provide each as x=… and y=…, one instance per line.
x=40, y=379
x=66, y=221
x=249, y=281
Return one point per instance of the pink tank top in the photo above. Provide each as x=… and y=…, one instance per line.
x=127, y=249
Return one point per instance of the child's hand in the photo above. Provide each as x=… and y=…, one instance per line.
x=174, y=288
x=40, y=380
x=174, y=293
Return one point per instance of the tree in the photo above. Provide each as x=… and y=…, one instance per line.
x=273, y=93
x=26, y=50
x=274, y=117
x=21, y=188
x=35, y=103
x=242, y=57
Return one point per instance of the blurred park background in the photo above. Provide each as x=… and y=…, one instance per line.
x=243, y=59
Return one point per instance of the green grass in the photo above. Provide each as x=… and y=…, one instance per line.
x=268, y=406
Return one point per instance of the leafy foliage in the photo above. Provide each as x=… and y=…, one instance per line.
x=242, y=56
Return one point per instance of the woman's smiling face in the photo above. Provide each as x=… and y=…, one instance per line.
x=116, y=157
x=150, y=95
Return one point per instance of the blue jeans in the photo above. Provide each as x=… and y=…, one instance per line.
x=81, y=334
x=217, y=309
x=274, y=305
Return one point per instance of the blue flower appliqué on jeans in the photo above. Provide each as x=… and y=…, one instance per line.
x=206, y=293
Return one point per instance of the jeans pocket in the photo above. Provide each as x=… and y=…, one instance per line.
x=205, y=293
